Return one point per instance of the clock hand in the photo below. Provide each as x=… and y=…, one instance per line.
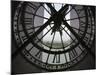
x=59, y=15
x=61, y=11
x=53, y=10
x=33, y=36
x=64, y=9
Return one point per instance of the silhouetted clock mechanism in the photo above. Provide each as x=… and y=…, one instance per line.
x=53, y=36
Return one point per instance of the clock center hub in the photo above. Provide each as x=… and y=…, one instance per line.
x=57, y=22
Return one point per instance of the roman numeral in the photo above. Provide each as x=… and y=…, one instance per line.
x=24, y=38
x=47, y=58
x=56, y=58
x=33, y=6
x=67, y=58
x=73, y=54
x=80, y=47
x=82, y=23
x=80, y=11
x=38, y=54
x=28, y=21
x=25, y=53
x=29, y=47
x=86, y=39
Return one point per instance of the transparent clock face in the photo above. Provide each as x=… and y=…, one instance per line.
x=58, y=36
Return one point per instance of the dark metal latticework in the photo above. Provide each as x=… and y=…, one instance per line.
x=30, y=27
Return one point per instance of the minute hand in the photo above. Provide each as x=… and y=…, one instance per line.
x=62, y=10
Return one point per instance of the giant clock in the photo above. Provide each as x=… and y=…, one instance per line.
x=34, y=23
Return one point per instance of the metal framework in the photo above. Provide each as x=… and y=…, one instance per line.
x=28, y=38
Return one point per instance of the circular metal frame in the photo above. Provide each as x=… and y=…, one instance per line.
x=86, y=33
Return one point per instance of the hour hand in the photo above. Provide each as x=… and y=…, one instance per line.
x=61, y=11
x=53, y=10
x=64, y=9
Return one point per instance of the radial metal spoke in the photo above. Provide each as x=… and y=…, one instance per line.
x=80, y=30
x=61, y=40
x=63, y=46
x=69, y=11
x=38, y=27
x=44, y=35
x=36, y=15
x=75, y=18
x=50, y=47
x=68, y=34
x=46, y=9
x=53, y=39
x=33, y=27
